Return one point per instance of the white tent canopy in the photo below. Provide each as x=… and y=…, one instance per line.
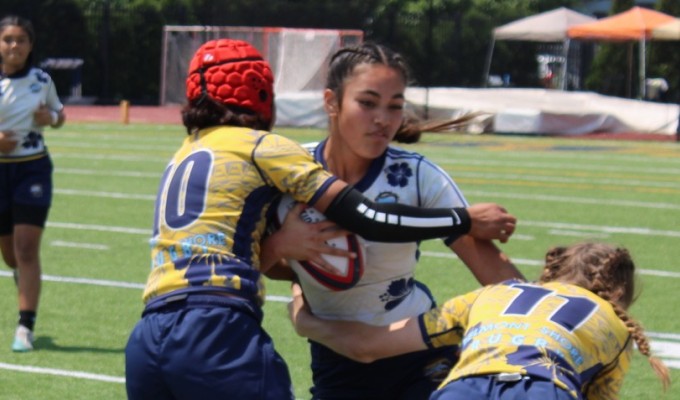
x=549, y=27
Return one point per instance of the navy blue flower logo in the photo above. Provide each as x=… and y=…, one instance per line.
x=32, y=140
x=397, y=292
x=398, y=174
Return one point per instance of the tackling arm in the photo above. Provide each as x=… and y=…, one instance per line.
x=358, y=341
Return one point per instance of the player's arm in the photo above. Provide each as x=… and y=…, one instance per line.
x=401, y=223
x=355, y=340
x=44, y=116
x=485, y=260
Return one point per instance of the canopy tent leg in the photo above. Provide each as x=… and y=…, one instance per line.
x=487, y=66
x=565, y=69
x=643, y=68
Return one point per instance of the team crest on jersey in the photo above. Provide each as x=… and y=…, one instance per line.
x=397, y=292
x=387, y=198
x=398, y=174
x=35, y=87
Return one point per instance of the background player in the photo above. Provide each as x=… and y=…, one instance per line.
x=28, y=103
x=568, y=336
x=365, y=100
x=200, y=335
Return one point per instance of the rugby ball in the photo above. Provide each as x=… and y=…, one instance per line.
x=350, y=270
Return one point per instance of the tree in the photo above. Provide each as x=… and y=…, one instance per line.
x=665, y=56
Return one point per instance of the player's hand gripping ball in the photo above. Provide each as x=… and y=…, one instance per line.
x=350, y=269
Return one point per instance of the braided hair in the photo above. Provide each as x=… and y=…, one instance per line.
x=609, y=272
x=346, y=60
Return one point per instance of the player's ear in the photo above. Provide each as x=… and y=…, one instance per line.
x=330, y=102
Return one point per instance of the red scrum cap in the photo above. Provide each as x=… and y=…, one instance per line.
x=232, y=72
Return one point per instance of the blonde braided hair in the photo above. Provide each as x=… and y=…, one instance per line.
x=609, y=272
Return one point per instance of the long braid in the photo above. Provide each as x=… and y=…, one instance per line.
x=611, y=269
x=642, y=343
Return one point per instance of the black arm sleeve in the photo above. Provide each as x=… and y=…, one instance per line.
x=395, y=223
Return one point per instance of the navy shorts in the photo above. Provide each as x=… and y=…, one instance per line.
x=412, y=376
x=487, y=387
x=204, y=347
x=25, y=192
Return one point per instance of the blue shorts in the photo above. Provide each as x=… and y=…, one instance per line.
x=25, y=193
x=412, y=376
x=487, y=387
x=27, y=182
x=204, y=347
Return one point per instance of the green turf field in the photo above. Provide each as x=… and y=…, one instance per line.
x=95, y=251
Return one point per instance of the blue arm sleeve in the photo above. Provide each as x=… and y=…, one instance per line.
x=396, y=223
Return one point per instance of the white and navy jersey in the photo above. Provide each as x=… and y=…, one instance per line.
x=387, y=291
x=21, y=95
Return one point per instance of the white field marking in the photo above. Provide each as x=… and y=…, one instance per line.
x=116, y=145
x=576, y=200
x=100, y=228
x=131, y=174
x=540, y=263
x=602, y=229
x=109, y=157
x=62, y=372
x=76, y=245
x=666, y=346
x=660, y=335
x=110, y=195
x=562, y=232
x=562, y=179
x=551, y=162
x=85, y=281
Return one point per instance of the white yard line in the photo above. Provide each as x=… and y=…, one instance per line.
x=62, y=372
x=77, y=245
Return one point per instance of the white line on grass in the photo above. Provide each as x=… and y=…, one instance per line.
x=62, y=372
x=110, y=195
x=109, y=157
x=576, y=200
x=87, y=246
x=100, y=228
x=539, y=263
x=97, y=172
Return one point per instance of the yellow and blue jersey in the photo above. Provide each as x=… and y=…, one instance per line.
x=211, y=205
x=555, y=331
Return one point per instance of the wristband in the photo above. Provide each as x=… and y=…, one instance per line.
x=55, y=117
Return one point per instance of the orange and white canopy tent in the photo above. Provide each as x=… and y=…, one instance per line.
x=667, y=31
x=636, y=24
